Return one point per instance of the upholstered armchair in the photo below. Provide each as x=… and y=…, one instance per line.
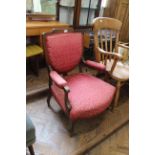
x=79, y=95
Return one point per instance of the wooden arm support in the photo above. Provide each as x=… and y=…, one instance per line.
x=114, y=55
x=123, y=45
x=67, y=103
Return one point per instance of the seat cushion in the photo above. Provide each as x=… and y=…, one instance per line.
x=30, y=132
x=88, y=95
x=32, y=50
x=121, y=70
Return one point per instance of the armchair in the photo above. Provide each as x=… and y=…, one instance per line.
x=107, y=47
x=79, y=95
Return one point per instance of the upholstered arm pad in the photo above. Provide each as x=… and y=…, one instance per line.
x=95, y=65
x=58, y=80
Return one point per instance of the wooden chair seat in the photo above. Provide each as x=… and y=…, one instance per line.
x=32, y=53
x=121, y=70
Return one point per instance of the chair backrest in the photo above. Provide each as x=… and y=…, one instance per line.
x=63, y=50
x=106, y=34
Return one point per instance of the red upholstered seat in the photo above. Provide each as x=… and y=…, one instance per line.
x=88, y=95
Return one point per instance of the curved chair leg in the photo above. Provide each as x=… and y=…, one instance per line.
x=31, y=150
x=118, y=86
x=106, y=77
x=71, y=128
x=48, y=99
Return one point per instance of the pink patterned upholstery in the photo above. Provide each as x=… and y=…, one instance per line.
x=95, y=65
x=57, y=79
x=88, y=95
x=64, y=51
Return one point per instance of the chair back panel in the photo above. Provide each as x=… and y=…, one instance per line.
x=106, y=23
x=64, y=51
x=106, y=36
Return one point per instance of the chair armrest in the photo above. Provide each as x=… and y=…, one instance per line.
x=62, y=83
x=95, y=65
x=123, y=45
x=58, y=80
x=116, y=55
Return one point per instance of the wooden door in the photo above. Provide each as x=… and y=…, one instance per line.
x=119, y=9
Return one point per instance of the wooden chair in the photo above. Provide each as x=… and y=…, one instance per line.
x=32, y=53
x=79, y=95
x=107, y=47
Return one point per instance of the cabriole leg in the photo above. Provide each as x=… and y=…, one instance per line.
x=71, y=128
x=48, y=99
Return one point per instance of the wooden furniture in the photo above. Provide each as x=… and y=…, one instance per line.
x=36, y=28
x=79, y=95
x=40, y=17
x=106, y=40
x=33, y=50
x=46, y=9
x=119, y=9
x=78, y=9
x=32, y=53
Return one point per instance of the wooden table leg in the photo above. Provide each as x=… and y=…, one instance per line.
x=118, y=86
x=41, y=41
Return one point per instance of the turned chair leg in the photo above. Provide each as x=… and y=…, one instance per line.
x=48, y=99
x=31, y=150
x=106, y=77
x=118, y=86
x=71, y=128
x=35, y=64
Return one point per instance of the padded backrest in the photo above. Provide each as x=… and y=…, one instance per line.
x=64, y=51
